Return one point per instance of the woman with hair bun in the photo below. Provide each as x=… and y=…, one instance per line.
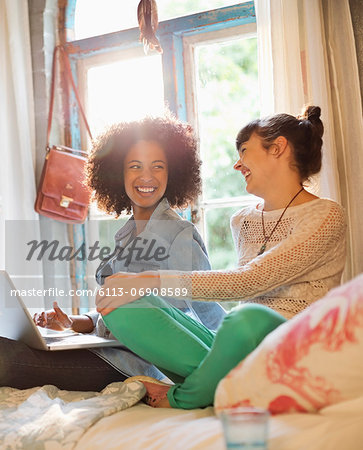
x=291, y=250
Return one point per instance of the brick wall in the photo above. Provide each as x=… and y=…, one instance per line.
x=42, y=20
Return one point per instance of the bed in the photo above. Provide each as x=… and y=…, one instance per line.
x=308, y=372
x=142, y=427
x=80, y=425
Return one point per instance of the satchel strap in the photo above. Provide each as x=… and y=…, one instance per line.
x=60, y=48
x=63, y=148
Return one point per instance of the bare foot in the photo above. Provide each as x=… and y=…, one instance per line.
x=156, y=395
x=163, y=403
x=156, y=391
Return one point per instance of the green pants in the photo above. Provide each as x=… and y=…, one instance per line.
x=191, y=355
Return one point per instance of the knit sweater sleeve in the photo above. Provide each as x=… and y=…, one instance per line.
x=314, y=242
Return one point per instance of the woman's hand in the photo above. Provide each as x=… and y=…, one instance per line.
x=124, y=287
x=55, y=319
x=58, y=320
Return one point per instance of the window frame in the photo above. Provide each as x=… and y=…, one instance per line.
x=190, y=42
x=175, y=36
x=171, y=34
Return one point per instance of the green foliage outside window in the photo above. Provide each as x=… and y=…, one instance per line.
x=227, y=98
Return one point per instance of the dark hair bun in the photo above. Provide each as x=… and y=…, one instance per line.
x=312, y=114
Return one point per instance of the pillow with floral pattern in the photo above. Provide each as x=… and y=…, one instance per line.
x=312, y=361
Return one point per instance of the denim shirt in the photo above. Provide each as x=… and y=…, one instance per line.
x=167, y=242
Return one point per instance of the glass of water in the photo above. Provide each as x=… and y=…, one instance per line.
x=245, y=427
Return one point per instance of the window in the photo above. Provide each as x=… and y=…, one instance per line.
x=207, y=75
x=223, y=95
x=95, y=17
x=133, y=93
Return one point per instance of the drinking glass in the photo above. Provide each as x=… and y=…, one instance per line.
x=245, y=428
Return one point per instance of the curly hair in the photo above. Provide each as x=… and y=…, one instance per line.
x=105, y=165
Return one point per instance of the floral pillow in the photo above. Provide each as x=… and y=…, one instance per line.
x=312, y=361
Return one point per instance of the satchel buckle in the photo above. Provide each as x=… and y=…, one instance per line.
x=65, y=201
x=47, y=151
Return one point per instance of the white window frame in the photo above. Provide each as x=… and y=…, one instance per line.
x=190, y=43
x=173, y=35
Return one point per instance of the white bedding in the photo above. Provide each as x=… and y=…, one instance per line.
x=46, y=418
x=338, y=427
x=49, y=418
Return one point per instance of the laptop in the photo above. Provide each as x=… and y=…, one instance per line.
x=16, y=323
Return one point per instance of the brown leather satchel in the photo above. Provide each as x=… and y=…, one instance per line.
x=61, y=193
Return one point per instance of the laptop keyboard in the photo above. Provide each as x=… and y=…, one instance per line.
x=52, y=340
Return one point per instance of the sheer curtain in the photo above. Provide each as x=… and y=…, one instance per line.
x=305, y=49
x=17, y=135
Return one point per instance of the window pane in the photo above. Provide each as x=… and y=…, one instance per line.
x=170, y=9
x=227, y=98
x=219, y=238
x=95, y=17
x=121, y=91
x=107, y=230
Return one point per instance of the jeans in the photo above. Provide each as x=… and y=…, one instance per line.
x=191, y=355
x=22, y=367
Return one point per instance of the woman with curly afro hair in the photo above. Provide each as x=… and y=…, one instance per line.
x=144, y=167
x=106, y=165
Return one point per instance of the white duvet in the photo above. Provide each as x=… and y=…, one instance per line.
x=338, y=427
x=50, y=419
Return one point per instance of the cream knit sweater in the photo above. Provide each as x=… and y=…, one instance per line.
x=303, y=260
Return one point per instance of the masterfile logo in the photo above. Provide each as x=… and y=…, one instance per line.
x=139, y=250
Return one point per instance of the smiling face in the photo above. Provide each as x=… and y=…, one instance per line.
x=255, y=164
x=145, y=177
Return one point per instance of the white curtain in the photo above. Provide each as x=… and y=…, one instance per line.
x=307, y=56
x=17, y=140
x=17, y=136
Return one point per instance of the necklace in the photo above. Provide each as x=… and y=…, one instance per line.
x=267, y=238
